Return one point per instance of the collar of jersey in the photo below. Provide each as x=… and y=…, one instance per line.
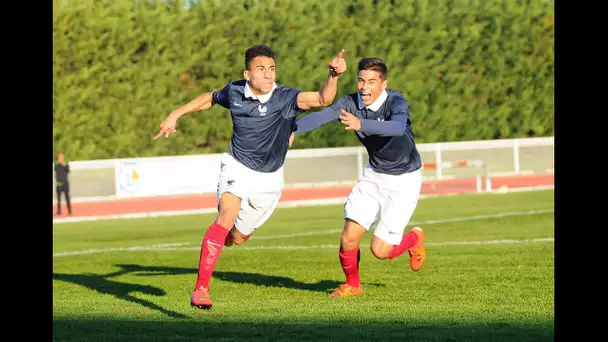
x=376, y=105
x=262, y=98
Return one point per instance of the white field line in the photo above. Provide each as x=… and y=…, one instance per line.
x=182, y=245
x=158, y=248
x=414, y=223
x=287, y=204
x=446, y=243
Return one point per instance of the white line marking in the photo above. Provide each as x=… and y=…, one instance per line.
x=287, y=204
x=456, y=219
x=122, y=249
x=291, y=247
x=447, y=243
x=173, y=246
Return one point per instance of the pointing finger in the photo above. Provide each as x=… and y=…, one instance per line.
x=340, y=54
x=158, y=135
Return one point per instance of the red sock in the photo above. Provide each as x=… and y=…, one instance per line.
x=213, y=242
x=407, y=241
x=350, y=265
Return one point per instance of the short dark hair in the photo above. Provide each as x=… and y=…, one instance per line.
x=256, y=51
x=375, y=64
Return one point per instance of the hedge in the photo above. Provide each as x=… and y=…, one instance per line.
x=470, y=70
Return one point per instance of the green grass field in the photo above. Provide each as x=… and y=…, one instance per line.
x=489, y=276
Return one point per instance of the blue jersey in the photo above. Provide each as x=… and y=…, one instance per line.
x=386, y=130
x=260, y=130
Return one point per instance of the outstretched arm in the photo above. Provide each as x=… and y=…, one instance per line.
x=202, y=102
x=325, y=96
x=315, y=120
x=393, y=127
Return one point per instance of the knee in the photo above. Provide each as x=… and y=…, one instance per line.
x=379, y=253
x=239, y=238
x=229, y=206
x=227, y=216
x=348, y=243
x=226, y=219
x=228, y=212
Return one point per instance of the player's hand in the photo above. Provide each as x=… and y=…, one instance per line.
x=167, y=127
x=291, y=137
x=337, y=65
x=351, y=122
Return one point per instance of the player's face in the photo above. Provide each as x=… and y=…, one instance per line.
x=370, y=84
x=260, y=75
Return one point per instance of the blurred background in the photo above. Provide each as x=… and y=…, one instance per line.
x=478, y=76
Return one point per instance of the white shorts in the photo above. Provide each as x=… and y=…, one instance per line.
x=388, y=199
x=259, y=192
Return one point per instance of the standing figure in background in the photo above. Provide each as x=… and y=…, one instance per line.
x=62, y=184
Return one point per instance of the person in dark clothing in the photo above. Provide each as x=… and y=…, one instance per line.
x=62, y=184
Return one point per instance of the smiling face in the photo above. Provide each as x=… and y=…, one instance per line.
x=370, y=84
x=260, y=75
x=372, y=79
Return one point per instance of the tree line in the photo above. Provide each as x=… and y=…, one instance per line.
x=470, y=69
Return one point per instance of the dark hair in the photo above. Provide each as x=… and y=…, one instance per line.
x=375, y=64
x=256, y=51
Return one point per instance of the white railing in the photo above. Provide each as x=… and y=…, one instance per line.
x=101, y=179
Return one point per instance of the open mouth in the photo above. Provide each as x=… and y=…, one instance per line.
x=365, y=96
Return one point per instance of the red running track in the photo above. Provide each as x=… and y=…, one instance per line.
x=194, y=202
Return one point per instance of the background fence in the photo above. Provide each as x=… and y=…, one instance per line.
x=108, y=179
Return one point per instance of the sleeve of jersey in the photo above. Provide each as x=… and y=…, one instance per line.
x=290, y=96
x=395, y=126
x=221, y=97
x=315, y=120
x=320, y=118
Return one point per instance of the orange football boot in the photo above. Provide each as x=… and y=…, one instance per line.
x=346, y=290
x=417, y=252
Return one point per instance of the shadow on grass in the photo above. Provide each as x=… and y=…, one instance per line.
x=241, y=278
x=121, y=290
x=209, y=328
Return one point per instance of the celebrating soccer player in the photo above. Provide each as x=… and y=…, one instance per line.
x=249, y=186
x=388, y=190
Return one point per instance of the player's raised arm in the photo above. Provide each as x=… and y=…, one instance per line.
x=202, y=102
x=327, y=93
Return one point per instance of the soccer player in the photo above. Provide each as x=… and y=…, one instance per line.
x=249, y=185
x=388, y=190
